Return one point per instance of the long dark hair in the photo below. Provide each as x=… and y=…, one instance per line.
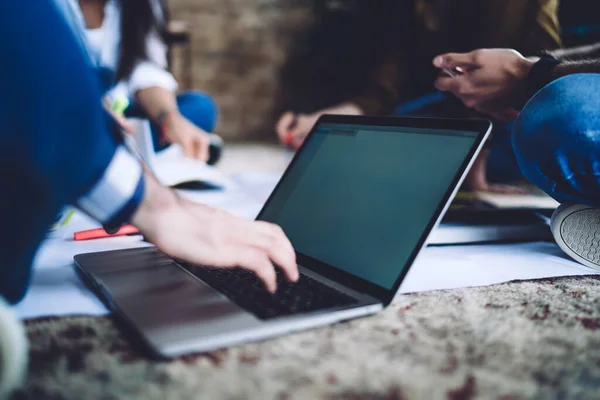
x=137, y=21
x=330, y=60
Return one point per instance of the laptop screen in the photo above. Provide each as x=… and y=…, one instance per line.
x=359, y=198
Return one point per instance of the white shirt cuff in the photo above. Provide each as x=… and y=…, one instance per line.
x=147, y=74
x=119, y=186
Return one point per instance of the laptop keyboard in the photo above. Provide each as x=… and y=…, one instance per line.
x=247, y=291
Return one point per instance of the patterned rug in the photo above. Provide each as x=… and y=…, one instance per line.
x=531, y=339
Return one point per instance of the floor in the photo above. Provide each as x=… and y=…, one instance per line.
x=264, y=157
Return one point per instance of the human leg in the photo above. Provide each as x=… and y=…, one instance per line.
x=557, y=139
x=557, y=145
x=199, y=108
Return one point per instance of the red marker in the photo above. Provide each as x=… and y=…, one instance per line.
x=289, y=140
x=101, y=233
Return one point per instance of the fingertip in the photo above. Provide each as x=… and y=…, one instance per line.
x=291, y=272
x=203, y=155
x=272, y=286
x=187, y=152
x=267, y=277
x=438, y=61
x=270, y=278
x=439, y=84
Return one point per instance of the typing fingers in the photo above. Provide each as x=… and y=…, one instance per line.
x=258, y=262
x=278, y=248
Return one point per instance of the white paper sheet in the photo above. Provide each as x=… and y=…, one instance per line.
x=172, y=169
x=452, y=267
x=57, y=291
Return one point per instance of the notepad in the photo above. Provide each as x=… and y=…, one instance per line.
x=173, y=169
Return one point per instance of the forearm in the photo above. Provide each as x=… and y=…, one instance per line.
x=156, y=198
x=578, y=53
x=157, y=102
x=576, y=67
x=347, y=108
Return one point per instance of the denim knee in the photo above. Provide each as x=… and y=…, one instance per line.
x=557, y=138
x=200, y=108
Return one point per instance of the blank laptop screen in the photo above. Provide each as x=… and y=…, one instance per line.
x=360, y=197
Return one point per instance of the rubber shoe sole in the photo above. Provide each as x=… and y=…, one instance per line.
x=576, y=229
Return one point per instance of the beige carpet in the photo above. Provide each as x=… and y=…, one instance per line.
x=535, y=339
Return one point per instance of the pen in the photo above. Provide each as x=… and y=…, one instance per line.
x=99, y=233
x=456, y=71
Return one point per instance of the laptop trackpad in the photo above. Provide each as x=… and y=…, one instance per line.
x=164, y=295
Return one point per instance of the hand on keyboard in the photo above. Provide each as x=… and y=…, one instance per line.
x=203, y=235
x=244, y=289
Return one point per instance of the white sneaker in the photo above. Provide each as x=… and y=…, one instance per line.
x=13, y=351
x=576, y=229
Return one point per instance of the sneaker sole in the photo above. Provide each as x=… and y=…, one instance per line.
x=576, y=229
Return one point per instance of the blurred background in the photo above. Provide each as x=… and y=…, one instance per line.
x=234, y=49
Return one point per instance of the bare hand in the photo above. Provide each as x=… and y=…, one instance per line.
x=493, y=81
x=293, y=128
x=194, y=141
x=206, y=236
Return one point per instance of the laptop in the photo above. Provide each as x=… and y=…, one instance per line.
x=358, y=202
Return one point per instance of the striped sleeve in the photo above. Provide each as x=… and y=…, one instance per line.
x=116, y=195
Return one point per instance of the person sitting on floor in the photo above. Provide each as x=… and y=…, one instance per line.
x=126, y=37
x=364, y=57
x=555, y=100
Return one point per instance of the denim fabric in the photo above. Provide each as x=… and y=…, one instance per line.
x=557, y=139
x=198, y=107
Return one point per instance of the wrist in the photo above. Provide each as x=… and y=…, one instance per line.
x=166, y=121
x=541, y=73
x=156, y=199
x=524, y=66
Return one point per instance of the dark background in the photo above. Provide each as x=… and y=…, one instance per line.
x=580, y=20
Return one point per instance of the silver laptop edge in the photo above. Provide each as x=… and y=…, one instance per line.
x=204, y=319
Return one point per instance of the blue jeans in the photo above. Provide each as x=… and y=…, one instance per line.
x=197, y=107
x=557, y=139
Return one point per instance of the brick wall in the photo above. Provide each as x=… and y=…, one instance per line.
x=237, y=49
